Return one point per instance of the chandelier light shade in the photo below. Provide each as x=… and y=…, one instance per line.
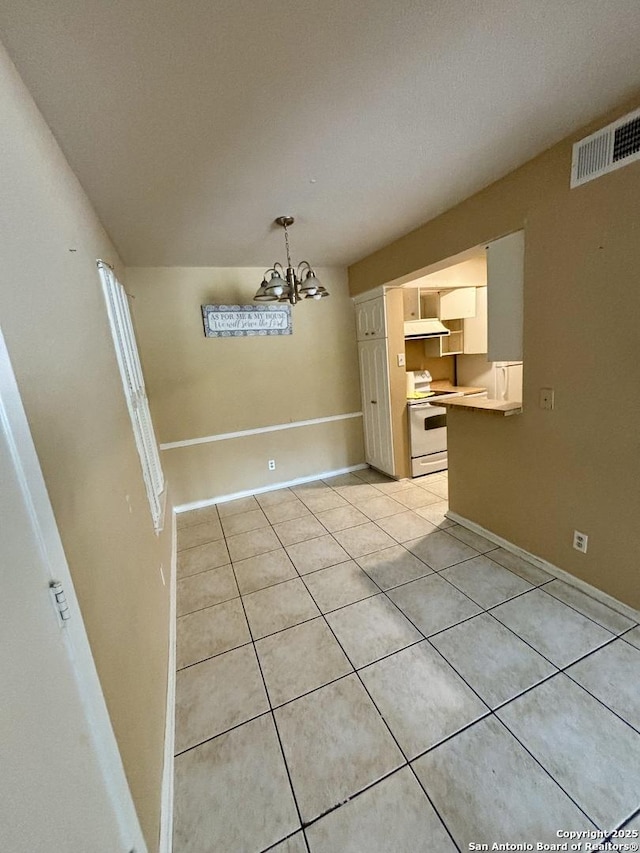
x=289, y=285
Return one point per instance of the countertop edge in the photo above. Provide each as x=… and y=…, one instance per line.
x=440, y=385
x=504, y=408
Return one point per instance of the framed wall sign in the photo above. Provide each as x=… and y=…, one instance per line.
x=239, y=321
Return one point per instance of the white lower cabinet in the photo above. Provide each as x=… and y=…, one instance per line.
x=376, y=404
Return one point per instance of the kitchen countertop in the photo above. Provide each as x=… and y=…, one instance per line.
x=445, y=385
x=480, y=404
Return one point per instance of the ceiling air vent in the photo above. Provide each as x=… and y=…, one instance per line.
x=607, y=149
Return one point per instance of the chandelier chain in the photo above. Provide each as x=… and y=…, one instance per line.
x=286, y=242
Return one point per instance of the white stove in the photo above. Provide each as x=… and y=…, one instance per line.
x=427, y=425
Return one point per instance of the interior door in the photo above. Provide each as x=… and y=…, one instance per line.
x=367, y=390
x=57, y=791
x=376, y=404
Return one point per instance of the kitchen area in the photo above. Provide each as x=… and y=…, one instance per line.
x=450, y=336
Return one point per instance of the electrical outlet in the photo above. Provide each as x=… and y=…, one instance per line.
x=580, y=541
x=272, y=464
x=401, y=360
x=546, y=398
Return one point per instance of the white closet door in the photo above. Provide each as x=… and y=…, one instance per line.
x=62, y=784
x=376, y=404
x=371, y=319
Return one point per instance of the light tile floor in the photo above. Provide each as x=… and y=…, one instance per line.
x=358, y=674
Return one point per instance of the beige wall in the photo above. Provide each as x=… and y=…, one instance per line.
x=55, y=324
x=207, y=386
x=534, y=478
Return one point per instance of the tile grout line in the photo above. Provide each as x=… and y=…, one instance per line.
x=553, y=779
x=357, y=794
x=280, y=630
x=273, y=717
x=586, y=690
x=624, y=635
x=436, y=633
x=407, y=762
x=216, y=655
x=272, y=847
x=427, y=640
x=183, y=525
x=224, y=732
x=232, y=563
x=322, y=616
x=406, y=583
x=202, y=571
x=208, y=606
x=623, y=824
x=314, y=689
x=302, y=540
x=519, y=695
x=224, y=538
x=559, y=669
x=298, y=574
x=200, y=544
x=566, y=603
x=510, y=598
x=491, y=712
x=524, y=640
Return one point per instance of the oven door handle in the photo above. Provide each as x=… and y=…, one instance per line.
x=435, y=422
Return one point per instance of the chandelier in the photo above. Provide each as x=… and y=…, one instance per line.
x=289, y=285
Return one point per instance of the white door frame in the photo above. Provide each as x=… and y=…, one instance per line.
x=14, y=424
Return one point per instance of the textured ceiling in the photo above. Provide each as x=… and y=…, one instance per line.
x=192, y=125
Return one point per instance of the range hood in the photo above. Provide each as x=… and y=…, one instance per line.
x=416, y=329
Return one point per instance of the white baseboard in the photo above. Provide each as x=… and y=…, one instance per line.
x=572, y=580
x=166, y=814
x=299, y=481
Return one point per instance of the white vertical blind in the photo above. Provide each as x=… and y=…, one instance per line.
x=134, y=389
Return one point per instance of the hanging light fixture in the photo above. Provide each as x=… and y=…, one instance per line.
x=280, y=285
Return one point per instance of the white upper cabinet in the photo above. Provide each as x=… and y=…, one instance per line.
x=454, y=304
x=475, y=328
x=457, y=304
x=411, y=304
x=371, y=319
x=505, y=280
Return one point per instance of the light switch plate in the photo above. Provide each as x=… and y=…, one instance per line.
x=401, y=360
x=546, y=398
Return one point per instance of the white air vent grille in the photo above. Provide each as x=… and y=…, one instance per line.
x=614, y=146
x=627, y=140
